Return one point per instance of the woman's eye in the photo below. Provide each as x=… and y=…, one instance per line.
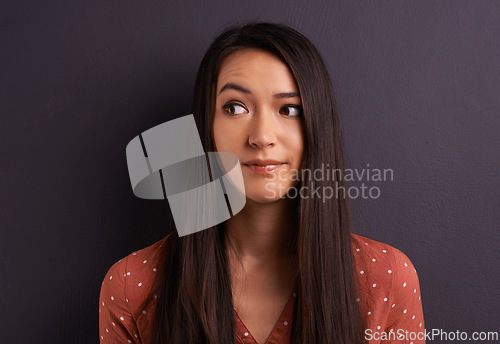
x=291, y=111
x=234, y=109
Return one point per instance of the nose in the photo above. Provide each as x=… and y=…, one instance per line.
x=262, y=131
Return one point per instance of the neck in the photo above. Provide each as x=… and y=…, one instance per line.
x=263, y=232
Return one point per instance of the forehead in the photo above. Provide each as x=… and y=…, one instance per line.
x=255, y=68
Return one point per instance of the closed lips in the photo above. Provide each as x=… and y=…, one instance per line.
x=258, y=162
x=263, y=166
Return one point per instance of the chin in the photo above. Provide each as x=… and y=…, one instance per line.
x=263, y=199
x=265, y=194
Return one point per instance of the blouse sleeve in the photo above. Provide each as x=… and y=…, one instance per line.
x=116, y=323
x=405, y=316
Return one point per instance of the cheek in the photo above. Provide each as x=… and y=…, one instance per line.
x=225, y=135
x=296, y=143
x=218, y=134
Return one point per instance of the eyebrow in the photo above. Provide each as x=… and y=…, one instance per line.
x=237, y=87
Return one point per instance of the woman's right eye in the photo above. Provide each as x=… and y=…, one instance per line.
x=234, y=109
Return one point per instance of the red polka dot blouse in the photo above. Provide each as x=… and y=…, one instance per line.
x=388, y=298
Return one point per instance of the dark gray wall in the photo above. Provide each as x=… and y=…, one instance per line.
x=418, y=90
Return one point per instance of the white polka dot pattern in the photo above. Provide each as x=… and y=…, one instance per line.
x=389, y=292
x=388, y=295
x=122, y=293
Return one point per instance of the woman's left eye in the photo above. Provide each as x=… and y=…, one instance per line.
x=291, y=110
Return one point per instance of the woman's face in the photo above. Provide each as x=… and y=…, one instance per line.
x=258, y=117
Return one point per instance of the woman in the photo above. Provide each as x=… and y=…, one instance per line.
x=283, y=270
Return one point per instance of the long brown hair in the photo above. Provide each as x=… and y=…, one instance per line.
x=194, y=291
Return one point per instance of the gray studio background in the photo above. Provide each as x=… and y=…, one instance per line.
x=417, y=84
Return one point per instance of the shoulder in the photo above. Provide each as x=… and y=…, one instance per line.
x=387, y=280
x=129, y=281
x=378, y=260
x=125, y=290
x=366, y=249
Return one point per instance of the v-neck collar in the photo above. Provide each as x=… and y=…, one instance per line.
x=281, y=333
